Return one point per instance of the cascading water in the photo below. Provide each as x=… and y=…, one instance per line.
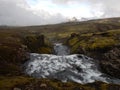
x=61, y=50
x=64, y=67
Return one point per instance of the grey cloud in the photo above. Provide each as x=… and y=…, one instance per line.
x=16, y=12
x=110, y=8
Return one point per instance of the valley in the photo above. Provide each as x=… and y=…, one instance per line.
x=96, y=42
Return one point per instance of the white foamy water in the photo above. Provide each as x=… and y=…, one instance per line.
x=77, y=68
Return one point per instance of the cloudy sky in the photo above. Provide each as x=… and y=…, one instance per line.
x=38, y=12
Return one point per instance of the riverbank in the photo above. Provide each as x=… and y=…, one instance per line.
x=104, y=47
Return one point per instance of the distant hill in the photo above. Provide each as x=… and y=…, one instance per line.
x=62, y=30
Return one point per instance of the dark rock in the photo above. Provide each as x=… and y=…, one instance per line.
x=41, y=40
x=74, y=35
x=81, y=50
x=111, y=62
x=37, y=44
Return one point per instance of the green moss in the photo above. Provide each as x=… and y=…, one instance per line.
x=87, y=35
x=104, y=86
x=38, y=44
x=98, y=43
x=7, y=83
x=103, y=42
x=75, y=47
x=57, y=85
x=93, y=42
x=31, y=42
x=73, y=41
x=44, y=50
x=114, y=32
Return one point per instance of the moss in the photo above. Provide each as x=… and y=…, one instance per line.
x=38, y=44
x=98, y=43
x=92, y=42
x=87, y=35
x=58, y=85
x=73, y=41
x=75, y=47
x=45, y=50
x=31, y=42
x=103, y=42
x=7, y=83
x=104, y=86
x=114, y=32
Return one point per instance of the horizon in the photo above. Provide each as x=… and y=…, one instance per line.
x=58, y=22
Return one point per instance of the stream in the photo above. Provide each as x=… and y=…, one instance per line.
x=62, y=66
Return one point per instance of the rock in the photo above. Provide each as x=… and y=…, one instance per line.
x=81, y=50
x=43, y=85
x=41, y=40
x=74, y=35
x=111, y=62
x=17, y=89
x=38, y=44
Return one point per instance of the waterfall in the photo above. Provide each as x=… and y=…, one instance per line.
x=62, y=66
x=60, y=49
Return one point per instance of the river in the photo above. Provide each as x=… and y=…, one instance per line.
x=62, y=66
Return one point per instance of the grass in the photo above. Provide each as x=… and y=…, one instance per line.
x=93, y=35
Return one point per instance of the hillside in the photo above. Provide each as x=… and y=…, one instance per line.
x=98, y=39
x=65, y=29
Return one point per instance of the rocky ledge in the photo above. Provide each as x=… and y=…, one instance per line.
x=104, y=47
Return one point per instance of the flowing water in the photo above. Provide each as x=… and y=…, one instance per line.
x=61, y=50
x=65, y=67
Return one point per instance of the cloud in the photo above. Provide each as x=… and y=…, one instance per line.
x=98, y=8
x=37, y=12
x=17, y=12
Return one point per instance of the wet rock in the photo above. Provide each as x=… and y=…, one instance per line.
x=111, y=62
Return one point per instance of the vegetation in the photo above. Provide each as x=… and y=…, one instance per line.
x=8, y=83
x=38, y=44
x=89, y=37
x=94, y=41
x=27, y=83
